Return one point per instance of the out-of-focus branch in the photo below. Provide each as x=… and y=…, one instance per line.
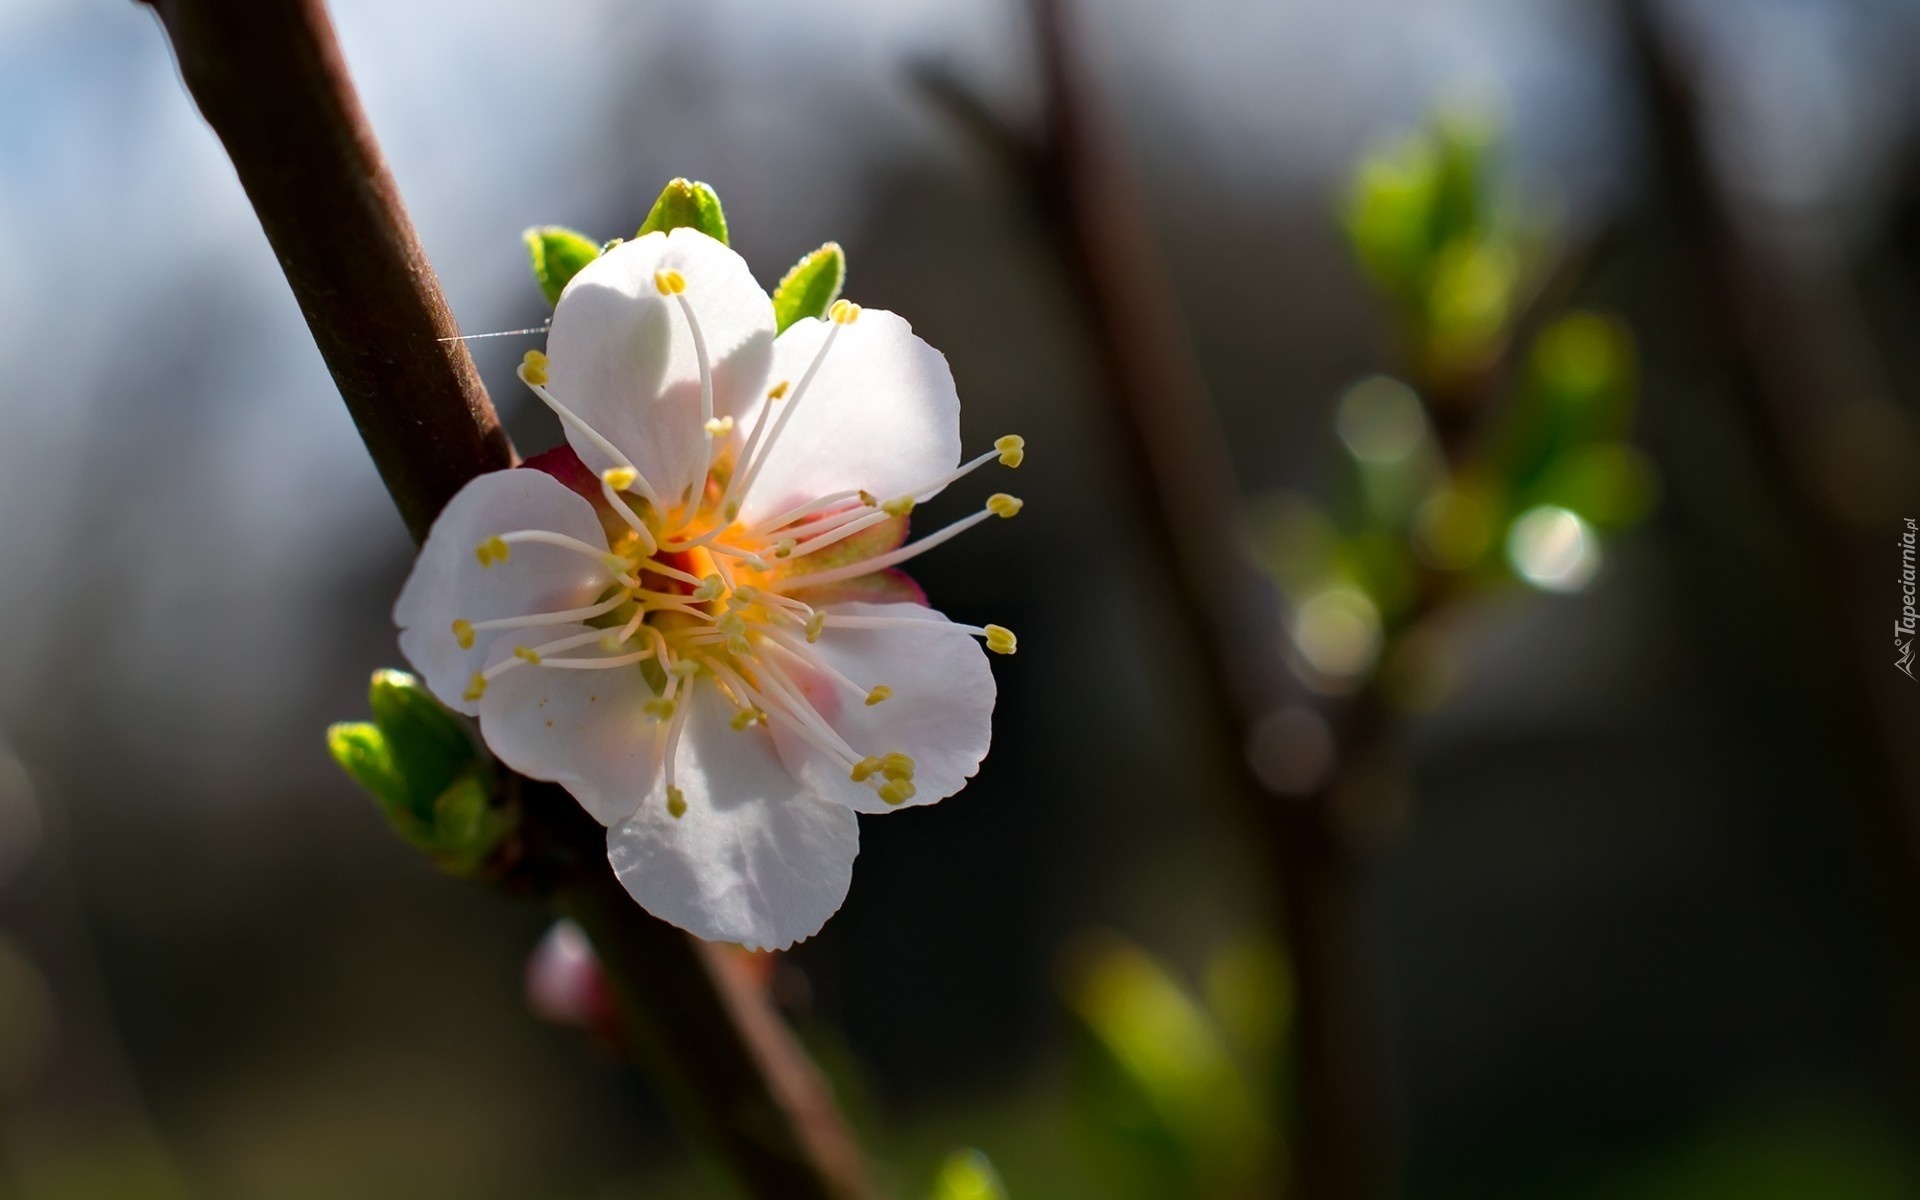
x=269, y=78
x=1090, y=209
x=1784, y=396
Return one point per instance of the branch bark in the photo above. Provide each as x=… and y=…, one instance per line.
x=1091, y=212
x=270, y=80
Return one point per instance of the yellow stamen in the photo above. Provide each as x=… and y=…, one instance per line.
x=869, y=499
x=687, y=668
x=719, y=426
x=709, y=589
x=864, y=769
x=895, y=765
x=659, y=708
x=527, y=654
x=898, y=791
x=669, y=281
x=784, y=547
x=676, y=802
x=882, y=692
x=1002, y=505
x=899, y=506
x=463, y=633
x=491, y=551
x=746, y=717
x=779, y=390
x=476, y=688
x=1012, y=448
x=844, y=312
x=815, y=624
x=1000, y=640
x=534, y=366
x=619, y=478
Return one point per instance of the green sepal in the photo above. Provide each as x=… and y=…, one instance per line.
x=432, y=781
x=557, y=255
x=967, y=1175
x=811, y=287
x=686, y=203
x=361, y=750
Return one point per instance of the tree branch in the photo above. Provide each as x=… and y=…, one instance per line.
x=1091, y=212
x=269, y=77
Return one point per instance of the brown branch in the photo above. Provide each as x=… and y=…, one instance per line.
x=1090, y=209
x=270, y=80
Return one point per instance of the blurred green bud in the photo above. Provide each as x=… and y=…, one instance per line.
x=811, y=287
x=1578, y=392
x=419, y=761
x=1610, y=484
x=1161, y=1045
x=1469, y=299
x=967, y=1175
x=1389, y=214
x=686, y=203
x=557, y=255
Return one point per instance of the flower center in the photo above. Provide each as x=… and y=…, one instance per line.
x=694, y=596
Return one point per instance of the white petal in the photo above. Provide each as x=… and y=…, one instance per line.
x=585, y=730
x=620, y=354
x=882, y=414
x=754, y=859
x=940, y=713
x=448, y=583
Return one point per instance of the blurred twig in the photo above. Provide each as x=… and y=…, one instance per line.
x=269, y=78
x=1092, y=214
x=1785, y=396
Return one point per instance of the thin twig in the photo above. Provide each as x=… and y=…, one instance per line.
x=1091, y=212
x=269, y=78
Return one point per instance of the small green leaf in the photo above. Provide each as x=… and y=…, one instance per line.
x=466, y=825
x=557, y=255
x=361, y=751
x=689, y=204
x=427, y=745
x=811, y=287
x=968, y=1175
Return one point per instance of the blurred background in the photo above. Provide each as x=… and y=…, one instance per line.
x=1637, y=887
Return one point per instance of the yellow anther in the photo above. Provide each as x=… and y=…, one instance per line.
x=676, y=802
x=815, y=624
x=844, y=312
x=491, y=551
x=869, y=499
x=709, y=589
x=619, y=478
x=779, y=390
x=1000, y=640
x=739, y=646
x=1002, y=505
x=755, y=562
x=687, y=668
x=864, y=769
x=659, y=708
x=895, y=765
x=669, y=281
x=463, y=633
x=746, y=593
x=533, y=365
x=731, y=511
x=1012, y=448
x=897, y=791
x=784, y=547
x=476, y=687
x=732, y=624
x=719, y=426
x=746, y=717
x=527, y=654
x=899, y=506
x=878, y=694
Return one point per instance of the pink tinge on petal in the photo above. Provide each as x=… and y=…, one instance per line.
x=891, y=586
x=563, y=464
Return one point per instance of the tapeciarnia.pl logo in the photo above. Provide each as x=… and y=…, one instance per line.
x=1903, y=625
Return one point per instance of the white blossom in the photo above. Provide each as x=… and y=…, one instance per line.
x=691, y=620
